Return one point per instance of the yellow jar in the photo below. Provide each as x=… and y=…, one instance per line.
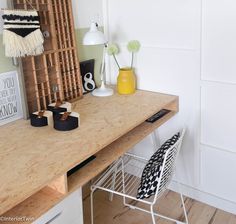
x=126, y=82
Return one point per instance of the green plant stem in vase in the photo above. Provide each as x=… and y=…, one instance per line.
x=133, y=46
x=116, y=61
x=112, y=49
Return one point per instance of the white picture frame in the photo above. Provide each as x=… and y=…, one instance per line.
x=10, y=98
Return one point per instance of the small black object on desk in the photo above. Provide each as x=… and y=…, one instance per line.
x=56, y=110
x=41, y=118
x=66, y=121
x=59, y=107
x=157, y=116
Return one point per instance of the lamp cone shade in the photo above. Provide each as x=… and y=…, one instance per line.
x=94, y=36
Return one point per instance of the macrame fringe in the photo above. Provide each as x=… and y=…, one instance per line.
x=17, y=46
x=20, y=12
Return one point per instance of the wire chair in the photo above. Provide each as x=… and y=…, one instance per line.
x=123, y=178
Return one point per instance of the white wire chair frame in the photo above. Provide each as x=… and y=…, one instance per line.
x=123, y=178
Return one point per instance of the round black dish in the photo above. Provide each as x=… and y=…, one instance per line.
x=65, y=125
x=38, y=121
x=56, y=110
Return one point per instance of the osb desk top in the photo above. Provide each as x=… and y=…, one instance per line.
x=33, y=157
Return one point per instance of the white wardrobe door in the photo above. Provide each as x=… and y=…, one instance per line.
x=218, y=173
x=219, y=40
x=218, y=118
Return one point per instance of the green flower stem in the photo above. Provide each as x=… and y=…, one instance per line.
x=132, y=60
x=116, y=61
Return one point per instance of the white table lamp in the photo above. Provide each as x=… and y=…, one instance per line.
x=96, y=37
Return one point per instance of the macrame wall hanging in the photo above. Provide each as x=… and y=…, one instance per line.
x=21, y=33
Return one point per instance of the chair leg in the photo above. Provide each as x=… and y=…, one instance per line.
x=123, y=181
x=181, y=196
x=153, y=215
x=113, y=183
x=91, y=201
x=184, y=208
x=182, y=201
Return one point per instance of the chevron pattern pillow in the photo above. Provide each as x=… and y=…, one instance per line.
x=152, y=170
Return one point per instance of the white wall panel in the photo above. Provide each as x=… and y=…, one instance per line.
x=87, y=11
x=218, y=40
x=218, y=120
x=175, y=72
x=144, y=148
x=169, y=61
x=187, y=163
x=218, y=173
x=168, y=23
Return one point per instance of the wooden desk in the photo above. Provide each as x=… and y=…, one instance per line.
x=34, y=161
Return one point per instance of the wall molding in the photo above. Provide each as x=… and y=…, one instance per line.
x=213, y=147
x=205, y=197
x=177, y=48
x=216, y=82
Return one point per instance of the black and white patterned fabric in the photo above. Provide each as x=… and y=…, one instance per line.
x=21, y=33
x=152, y=170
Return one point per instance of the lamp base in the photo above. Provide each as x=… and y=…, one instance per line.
x=102, y=91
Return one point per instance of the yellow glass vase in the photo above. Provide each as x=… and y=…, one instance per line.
x=126, y=82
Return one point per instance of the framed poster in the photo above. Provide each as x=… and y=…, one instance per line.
x=10, y=99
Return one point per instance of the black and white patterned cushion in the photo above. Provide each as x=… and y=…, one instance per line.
x=152, y=170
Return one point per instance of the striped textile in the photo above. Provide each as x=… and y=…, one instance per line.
x=21, y=33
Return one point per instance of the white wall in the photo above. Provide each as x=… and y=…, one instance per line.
x=169, y=61
x=87, y=11
x=218, y=90
x=188, y=49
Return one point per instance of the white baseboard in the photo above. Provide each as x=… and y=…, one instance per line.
x=206, y=198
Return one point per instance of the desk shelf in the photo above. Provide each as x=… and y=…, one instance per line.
x=35, y=206
x=112, y=152
x=48, y=197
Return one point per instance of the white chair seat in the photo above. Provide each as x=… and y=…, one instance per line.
x=123, y=178
x=112, y=180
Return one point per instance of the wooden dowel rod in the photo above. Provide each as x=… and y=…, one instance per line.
x=59, y=76
x=43, y=96
x=63, y=74
x=47, y=77
x=76, y=58
x=67, y=24
x=73, y=73
x=57, y=27
x=70, y=54
x=61, y=22
x=36, y=86
x=68, y=73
